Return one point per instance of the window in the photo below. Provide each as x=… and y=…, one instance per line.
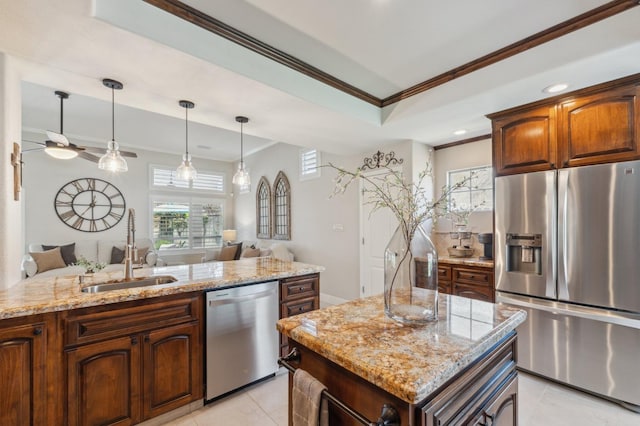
x=163, y=177
x=477, y=194
x=186, y=214
x=309, y=164
x=186, y=223
x=263, y=209
x=281, y=208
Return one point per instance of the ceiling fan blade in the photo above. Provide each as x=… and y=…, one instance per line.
x=128, y=154
x=88, y=156
x=58, y=138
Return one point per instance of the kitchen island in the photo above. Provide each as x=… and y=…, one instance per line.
x=460, y=369
x=122, y=356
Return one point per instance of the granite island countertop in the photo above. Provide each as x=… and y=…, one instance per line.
x=41, y=295
x=408, y=362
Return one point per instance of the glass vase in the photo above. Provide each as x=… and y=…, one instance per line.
x=411, y=278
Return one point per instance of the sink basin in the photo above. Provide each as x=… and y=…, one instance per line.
x=133, y=283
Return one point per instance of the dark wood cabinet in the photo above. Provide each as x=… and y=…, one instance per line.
x=598, y=124
x=132, y=361
x=444, y=279
x=474, y=282
x=171, y=360
x=103, y=383
x=297, y=295
x=486, y=394
x=27, y=382
x=525, y=141
x=601, y=128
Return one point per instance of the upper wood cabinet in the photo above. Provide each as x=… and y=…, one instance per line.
x=525, y=141
x=602, y=128
x=599, y=124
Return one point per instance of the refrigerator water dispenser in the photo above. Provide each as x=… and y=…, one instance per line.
x=524, y=253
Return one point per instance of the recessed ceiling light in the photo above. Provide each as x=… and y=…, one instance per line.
x=460, y=132
x=555, y=88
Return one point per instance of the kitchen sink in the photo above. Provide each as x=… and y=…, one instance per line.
x=132, y=283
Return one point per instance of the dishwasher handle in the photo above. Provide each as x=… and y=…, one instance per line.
x=236, y=299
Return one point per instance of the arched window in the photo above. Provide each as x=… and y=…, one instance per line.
x=263, y=209
x=281, y=207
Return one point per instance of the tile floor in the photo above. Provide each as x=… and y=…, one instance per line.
x=541, y=403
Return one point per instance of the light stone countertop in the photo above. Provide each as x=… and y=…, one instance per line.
x=408, y=362
x=468, y=261
x=40, y=295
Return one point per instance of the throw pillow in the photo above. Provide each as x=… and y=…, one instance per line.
x=142, y=255
x=117, y=255
x=68, y=252
x=228, y=252
x=50, y=259
x=251, y=252
x=238, y=247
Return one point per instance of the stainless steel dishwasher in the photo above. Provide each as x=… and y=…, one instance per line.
x=242, y=340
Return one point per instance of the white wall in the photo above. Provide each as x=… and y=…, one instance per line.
x=459, y=157
x=315, y=218
x=11, y=226
x=44, y=176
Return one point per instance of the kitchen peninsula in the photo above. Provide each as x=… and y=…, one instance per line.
x=69, y=357
x=457, y=370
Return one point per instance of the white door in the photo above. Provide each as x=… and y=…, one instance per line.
x=376, y=231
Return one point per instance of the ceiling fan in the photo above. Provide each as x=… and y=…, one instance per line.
x=58, y=146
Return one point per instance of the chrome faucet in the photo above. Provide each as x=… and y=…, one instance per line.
x=131, y=252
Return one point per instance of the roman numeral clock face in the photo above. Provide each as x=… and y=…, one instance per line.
x=90, y=205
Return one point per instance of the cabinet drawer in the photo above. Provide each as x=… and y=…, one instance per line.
x=444, y=287
x=444, y=273
x=473, y=292
x=299, y=287
x=108, y=321
x=299, y=306
x=473, y=276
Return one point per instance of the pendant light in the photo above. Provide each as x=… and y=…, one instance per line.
x=185, y=170
x=242, y=175
x=112, y=160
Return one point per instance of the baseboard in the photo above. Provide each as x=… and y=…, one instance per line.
x=329, y=300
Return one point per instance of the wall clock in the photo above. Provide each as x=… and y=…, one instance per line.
x=90, y=205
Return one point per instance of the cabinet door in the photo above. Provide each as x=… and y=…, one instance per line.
x=103, y=383
x=525, y=141
x=22, y=368
x=601, y=128
x=502, y=408
x=172, y=368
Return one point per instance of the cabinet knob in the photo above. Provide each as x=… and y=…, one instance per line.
x=37, y=331
x=147, y=338
x=301, y=289
x=134, y=340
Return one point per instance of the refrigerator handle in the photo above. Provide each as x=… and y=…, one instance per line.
x=563, y=240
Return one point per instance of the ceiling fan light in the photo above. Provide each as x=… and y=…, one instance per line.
x=185, y=170
x=241, y=177
x=60, y=153
x=112, y=161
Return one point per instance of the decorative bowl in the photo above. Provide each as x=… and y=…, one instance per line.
x=460, y=251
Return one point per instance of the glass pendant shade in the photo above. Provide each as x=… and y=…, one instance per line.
x=185, y=170
x=241, y=177
x=112, y=161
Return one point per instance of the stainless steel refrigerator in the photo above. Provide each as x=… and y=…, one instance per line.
x=567, y=250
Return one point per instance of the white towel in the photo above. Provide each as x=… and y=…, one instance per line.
x=309, y=408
